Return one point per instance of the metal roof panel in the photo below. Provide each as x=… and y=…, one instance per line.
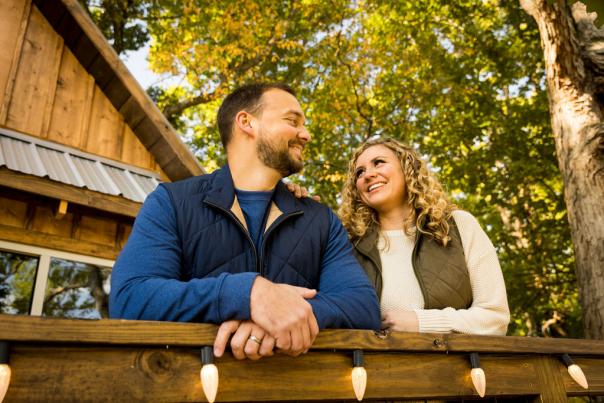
x=20, y=156
x=147, y=184
x=56, y=166
x=124, y=183
x=93, y=179
x=30, y=155
x=2, y=159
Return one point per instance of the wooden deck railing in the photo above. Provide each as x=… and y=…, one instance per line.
x=112, y=360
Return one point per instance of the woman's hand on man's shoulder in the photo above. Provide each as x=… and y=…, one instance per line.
x=300, y=191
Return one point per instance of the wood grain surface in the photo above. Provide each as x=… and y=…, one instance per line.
x=36, y=77
x=73, y=102
x=119, y=360
x=172, y=374
x=15, y=16
x=127, y=332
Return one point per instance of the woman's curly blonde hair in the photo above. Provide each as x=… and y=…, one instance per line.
x=431, y=206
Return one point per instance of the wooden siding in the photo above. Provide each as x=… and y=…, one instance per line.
x=91, y=49
x=35, y=80
x=29, y=219
x=46, y=92
x=15, y=15
x=73, y=102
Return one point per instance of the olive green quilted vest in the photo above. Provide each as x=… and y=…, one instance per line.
x=441, y=271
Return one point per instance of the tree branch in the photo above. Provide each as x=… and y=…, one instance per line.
x=367, y=118
x=531, y=6
x=60, y=290
x=171, y=111
x=592, y=42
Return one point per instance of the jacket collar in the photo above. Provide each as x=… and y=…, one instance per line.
x=222, y=190
x=285, y=200
x=367, y=244
x=222, y=193
x=369, y=241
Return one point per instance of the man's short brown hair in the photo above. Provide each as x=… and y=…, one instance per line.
x=246, y=98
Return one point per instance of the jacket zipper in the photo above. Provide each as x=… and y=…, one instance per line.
x=269, y=231
x=258, y=260
x=247, y=234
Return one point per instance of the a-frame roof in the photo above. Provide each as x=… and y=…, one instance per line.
x=100, y=60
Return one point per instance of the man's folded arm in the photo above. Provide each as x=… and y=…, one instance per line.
x=346, y=298
x=146, y=281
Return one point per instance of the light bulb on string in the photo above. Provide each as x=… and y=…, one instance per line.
x=5, y=371
x=359, y=375
x=574, y=371
x=479, y=379
x=208, y=374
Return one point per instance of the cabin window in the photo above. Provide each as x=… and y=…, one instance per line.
x=39, y=281
x=17, y=276
x=76, y=290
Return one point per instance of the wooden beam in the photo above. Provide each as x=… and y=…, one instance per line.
x=160, y=374
x=120, y=332
x=82, y=357
x=29, y=216
x=72, y=194
x=28, y=237
x=132, y=114
x=592, y=368
x=111, y=373
x=118, y=84
x=550, y=381
x=347, y=339
x=54, y=15
x=61, y=209
x=543, y=345
x=128, y=332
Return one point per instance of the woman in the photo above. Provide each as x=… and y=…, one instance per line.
x=433, y=266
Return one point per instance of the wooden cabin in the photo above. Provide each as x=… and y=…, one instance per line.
x=81, y=146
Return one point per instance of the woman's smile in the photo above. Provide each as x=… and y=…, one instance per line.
x=375, y=186
x=380, y=179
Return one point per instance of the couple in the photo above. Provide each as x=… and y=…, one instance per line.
x=236, y=248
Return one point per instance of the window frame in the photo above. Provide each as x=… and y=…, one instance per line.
x=44, y=256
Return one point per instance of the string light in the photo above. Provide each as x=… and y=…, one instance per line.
x=5, y=371
x=359, y=375
x=478, y=377
x=208, y=374
x=574, y=371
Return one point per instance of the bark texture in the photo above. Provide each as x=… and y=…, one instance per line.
x=574, y=58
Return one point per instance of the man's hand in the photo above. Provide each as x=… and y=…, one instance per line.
x=249, y=340
x=282, y=311
x=400, y=321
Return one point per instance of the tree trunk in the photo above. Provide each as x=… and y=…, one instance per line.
x=574, y=62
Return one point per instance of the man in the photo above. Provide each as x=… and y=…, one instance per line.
x=236, y=248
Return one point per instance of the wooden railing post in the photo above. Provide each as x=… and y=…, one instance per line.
x=551, y=383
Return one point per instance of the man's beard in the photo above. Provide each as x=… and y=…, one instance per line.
x=278, y=158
